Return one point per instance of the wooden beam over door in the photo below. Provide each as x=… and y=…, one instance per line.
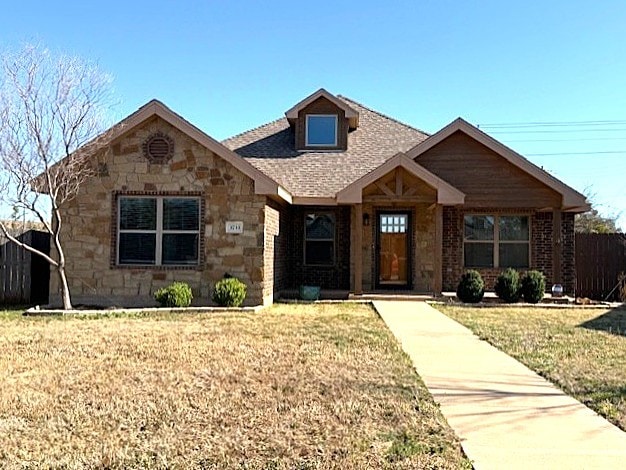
x=393, y=198
x=384, y=188
x=399, y=182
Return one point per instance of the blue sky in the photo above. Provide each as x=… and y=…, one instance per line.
x=231, y=65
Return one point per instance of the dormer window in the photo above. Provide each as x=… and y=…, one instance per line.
x=321, y=130
x=322, y=122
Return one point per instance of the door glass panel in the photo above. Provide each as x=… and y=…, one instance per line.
x=393, y=259
x=393, y=224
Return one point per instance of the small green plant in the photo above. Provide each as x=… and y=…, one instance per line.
x=533, y=287
x=508, y=286
x=177, y=294
x=229, y=292
x=471, y=288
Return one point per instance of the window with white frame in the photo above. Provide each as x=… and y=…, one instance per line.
x=319, y=239
x=158, y=230
x=321, y=130
x=496, y=241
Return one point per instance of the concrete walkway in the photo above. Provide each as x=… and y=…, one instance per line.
x=506, y=416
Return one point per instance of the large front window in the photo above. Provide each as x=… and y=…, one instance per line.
x=319, y=239
x=321, y=130
x=158, y=230
x=496, y=241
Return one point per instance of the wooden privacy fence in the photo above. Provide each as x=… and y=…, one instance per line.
x=24, y=277
x=600, y=258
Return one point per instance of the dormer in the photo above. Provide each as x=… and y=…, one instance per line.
x=322, y=122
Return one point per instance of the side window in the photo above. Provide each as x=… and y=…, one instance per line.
x=501, y=241
x=514, y=242
x=478, y=241
x=319, y=239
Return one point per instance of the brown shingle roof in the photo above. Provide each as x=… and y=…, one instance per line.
x=271, y=149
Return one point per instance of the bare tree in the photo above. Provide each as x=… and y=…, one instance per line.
x=593, y=221
x=52, y=114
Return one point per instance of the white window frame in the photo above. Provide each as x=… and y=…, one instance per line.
x=495, y=243
x=306, y=138
x=159, y=231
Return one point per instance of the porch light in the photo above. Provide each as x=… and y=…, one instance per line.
x=366, y=220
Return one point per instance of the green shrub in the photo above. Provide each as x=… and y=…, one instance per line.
x=533, y=286
x=508, y=286
x=177, y=294
x=229, y=292
x=471, y=288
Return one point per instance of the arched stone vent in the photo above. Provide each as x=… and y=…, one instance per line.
x=158, y=148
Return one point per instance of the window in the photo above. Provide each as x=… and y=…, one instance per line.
x=496, y=241
x=319, y=239
x=321, y=130
x=158, y=230
x=390, y=223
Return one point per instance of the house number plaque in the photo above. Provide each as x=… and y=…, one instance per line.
x=234, y=226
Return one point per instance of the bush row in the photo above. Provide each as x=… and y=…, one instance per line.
x=228, y=292
x=510, y=286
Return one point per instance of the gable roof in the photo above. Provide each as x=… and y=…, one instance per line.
x=572, y=199
x=263, y=184
x=322, y=174
x=446, y=193
x=351, y=113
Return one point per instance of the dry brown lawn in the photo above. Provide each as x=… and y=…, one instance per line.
x=292, y=387
x=581, y=350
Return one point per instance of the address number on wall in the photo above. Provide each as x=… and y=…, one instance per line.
x=234, y=226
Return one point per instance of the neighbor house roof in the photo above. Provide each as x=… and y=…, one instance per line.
x=322, y=174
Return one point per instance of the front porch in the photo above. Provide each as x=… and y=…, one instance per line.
x=397, y=229
x=382, y=234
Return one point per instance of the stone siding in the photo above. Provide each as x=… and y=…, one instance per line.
x=89, y=225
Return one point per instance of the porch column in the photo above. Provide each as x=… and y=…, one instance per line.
x=358, y=249
x=556, y=246
x=438, y=267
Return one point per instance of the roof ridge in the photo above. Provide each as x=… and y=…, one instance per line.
x=384, y=115
x=252, y=129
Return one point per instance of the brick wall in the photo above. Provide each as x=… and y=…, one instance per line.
x=541, y=248
x=328, y=277
x=541, y=255
x=568, y=256
x=452, y=256
x=276, y=245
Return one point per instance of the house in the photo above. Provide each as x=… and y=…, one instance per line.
x=333, y=194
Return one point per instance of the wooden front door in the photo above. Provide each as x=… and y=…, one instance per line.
x=393, y=250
